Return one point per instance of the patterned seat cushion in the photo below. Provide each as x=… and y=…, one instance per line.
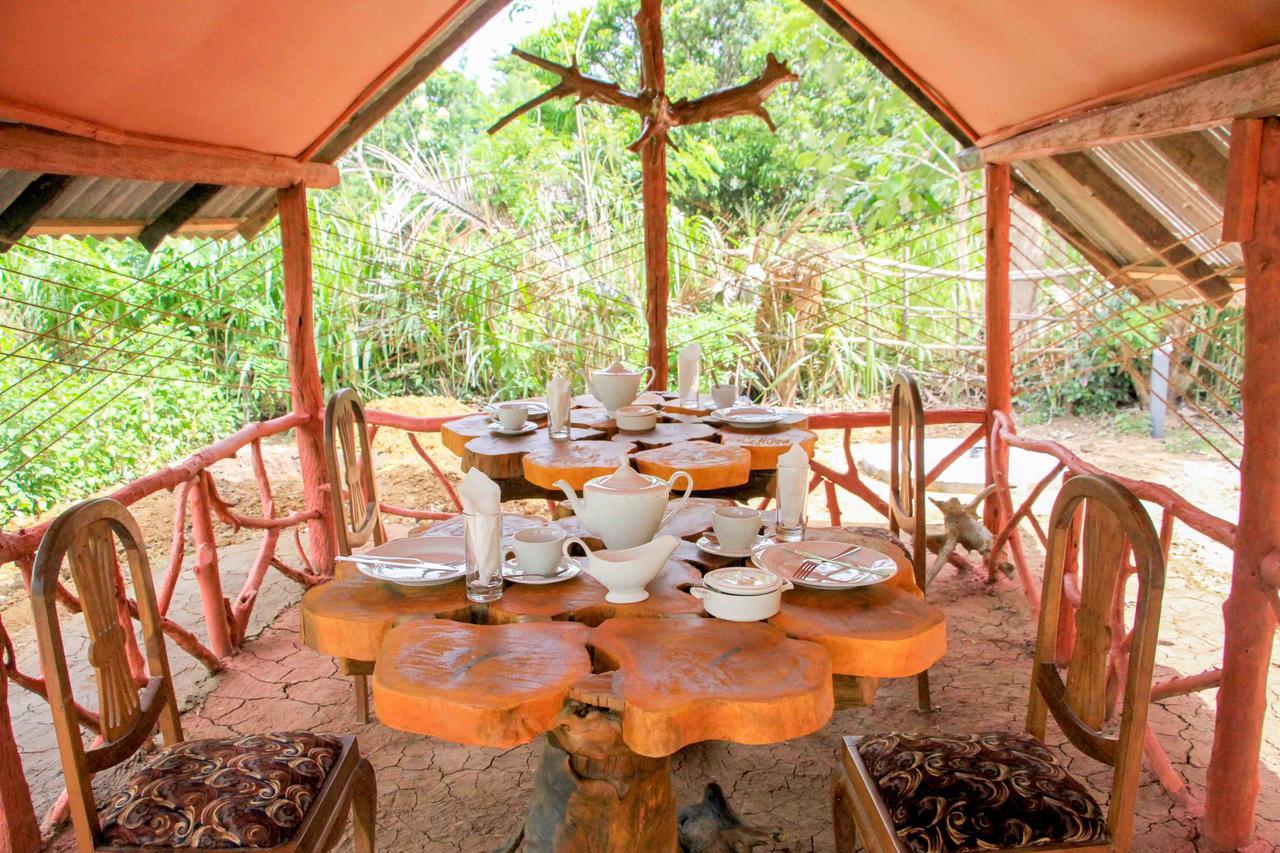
x=976, y=792
x=249, y=791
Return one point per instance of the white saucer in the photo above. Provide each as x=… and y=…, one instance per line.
x=529, y=426
x=537, y=409
x=569, y=568
x=705, y=543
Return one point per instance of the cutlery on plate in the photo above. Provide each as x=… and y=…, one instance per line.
x=852, y=549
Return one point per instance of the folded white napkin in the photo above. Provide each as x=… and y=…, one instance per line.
x=688, y=365
x=793, y=485
x=482, y=521
x=558, y=399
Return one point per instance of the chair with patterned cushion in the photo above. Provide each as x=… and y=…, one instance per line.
x=1007, y=791
x=286, y=791
x=356, y=514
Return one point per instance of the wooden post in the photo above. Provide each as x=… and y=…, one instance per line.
x=653, y=171
x=999, y=360
x=19, y=830
x=207, y=572
x=1248, y=614
x=304, y=372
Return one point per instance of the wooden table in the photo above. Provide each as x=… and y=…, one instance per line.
x=615, y=689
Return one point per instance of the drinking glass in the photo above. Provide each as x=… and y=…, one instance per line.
x=792, y=532
x=558, y=418
x=482, y=546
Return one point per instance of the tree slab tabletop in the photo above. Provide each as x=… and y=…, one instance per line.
x=582, y=599
x=663, y=434
x=502, y=456
x=575, y=462
x=766, y=447
x=455, y=434
x=693, y=520
x=349, y=618
x=880, y=631
x=479, y=685
x=684, y=681
x=712, y=466
x=677, y=406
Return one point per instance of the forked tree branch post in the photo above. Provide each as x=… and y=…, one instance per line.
x=658, y=115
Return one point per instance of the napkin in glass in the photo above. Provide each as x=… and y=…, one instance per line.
x=688, y=366
x=482, y=521
x=793, y=485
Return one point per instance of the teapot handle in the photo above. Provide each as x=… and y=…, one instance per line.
x=652, y=375
x=564, y=548
x=688, y=490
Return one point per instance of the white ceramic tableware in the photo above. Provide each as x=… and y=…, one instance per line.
x=499, y=429
x=567, y=570
x=537, y=549
x=741, y=594
x=537, y=408
x=616, y=386
x=512, y=416
x=724, y=396
x=626, y=508
x=736, y=527
x=636, y=418
x=712, y=546
x=626, y=572
x=748, y=417
x=861, y=568
x=448, y=550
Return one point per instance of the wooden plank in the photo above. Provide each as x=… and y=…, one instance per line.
x=1197, y=156
x=32, y=150
x=1112, y=195
x=222, y=225
x=21, y=214
x=1243, y=164
x=1248, y=92
x=171, y=219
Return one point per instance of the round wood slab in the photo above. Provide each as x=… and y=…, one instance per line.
x=455, y=434
x=479, y=685
x=582, y=599
x=712, y=466
x=348, y=618
x=664, y=434
x=677, y=407
x=593, y=418
x=693, y=520
x=501, y=456
x=574, y=461
x=766, y=447
x=685, y=681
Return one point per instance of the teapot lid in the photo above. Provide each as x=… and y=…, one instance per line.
x=742, y=580
x=616, y=367
x=625, y=478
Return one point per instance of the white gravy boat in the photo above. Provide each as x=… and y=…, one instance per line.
x=625, y=573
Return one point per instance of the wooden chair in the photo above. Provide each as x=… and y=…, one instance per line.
x=907, y=488
x=1025, y=798
x=288, y=791
x=354, y=495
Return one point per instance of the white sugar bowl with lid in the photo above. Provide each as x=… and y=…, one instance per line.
x=741, y=593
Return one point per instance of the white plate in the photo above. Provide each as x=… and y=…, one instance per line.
x=437, y=549
x=529, y=426
x=708, y=545
x=754, y=420
x=569, y=568
x=537, y=409
x=866, y=566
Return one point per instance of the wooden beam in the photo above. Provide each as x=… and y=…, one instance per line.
x=934, y=105
x=1111, y=194
x=172, y=218
x=1197, y=156
x=1243, y=164
x=1248, y=92
x=1248, y=614
x=24, y=210
x=128, y=227
x=31, y=150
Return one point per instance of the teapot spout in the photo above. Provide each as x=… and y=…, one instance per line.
x=571, y=496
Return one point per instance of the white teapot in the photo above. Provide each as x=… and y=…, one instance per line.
x=626, y=508
x=616, y=386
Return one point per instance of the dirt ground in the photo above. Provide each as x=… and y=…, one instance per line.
x=438, y=796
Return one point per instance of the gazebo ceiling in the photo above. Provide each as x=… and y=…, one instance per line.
x=305, y=79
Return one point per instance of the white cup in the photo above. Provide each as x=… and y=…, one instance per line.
x=736, y=527
x=724, y=396
x=537, y=549
x=512, y=416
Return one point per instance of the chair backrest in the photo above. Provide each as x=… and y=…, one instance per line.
x=89, y=536
x=1115, y=529
x=906, y=469
x=353, y=491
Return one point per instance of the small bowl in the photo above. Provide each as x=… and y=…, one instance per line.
x=636, y=418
